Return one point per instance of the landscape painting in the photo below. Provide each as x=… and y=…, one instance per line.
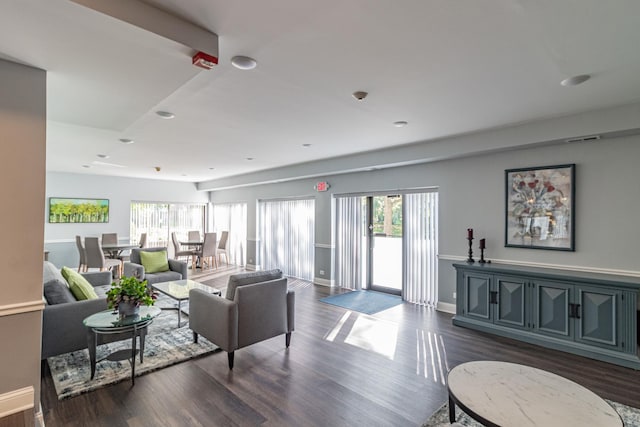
x=73, y=211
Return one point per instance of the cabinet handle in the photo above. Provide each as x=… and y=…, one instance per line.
x=572, y=310
x=577, y=312
x=493, y=297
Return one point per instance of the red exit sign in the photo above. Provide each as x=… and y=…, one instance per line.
x=322, y=186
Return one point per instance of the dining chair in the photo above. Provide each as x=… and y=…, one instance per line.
x=194, y=236
x=179, y=252
x=208, y=252
x=82, y=265
x=96, y=259
x=110, y=239
x=223, y=247
x=143, y=240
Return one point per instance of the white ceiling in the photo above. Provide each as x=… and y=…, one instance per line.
x=447, y=67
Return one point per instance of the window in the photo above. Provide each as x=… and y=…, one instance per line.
x=286, y=231
x=232, y=217
x=159, y=220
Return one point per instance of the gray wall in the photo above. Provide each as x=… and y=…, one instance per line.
x=59, y=238
x=471, y=192
x=22, y=150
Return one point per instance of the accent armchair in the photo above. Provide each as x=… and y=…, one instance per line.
x=257, y=307
x=177, y=269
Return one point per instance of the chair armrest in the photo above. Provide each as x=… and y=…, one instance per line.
x=62, y=328
x=98, y=278
x=215, y=318
x=133, y=269
x=178, y=266
x=291, y=311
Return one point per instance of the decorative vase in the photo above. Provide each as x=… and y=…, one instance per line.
x=127, y=309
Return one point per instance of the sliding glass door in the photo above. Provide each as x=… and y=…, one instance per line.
x=388, y=243
x=385, y=243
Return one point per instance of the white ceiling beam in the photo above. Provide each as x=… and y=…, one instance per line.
x=157, y=21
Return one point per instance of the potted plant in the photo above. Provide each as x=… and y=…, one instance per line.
x=129, y=294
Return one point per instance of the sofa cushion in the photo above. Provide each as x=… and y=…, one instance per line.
x=51, y=272
x=78, y=285
x=57, y=293
x=242, y=279
x=154, y=262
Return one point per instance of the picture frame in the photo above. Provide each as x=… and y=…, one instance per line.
x=540, y=207
x=69, y=210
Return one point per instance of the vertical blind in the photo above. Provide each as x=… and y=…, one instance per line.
x=159, y=220
x=420, y=243
x=232, y=217
x=286, y=234
x=350, y=242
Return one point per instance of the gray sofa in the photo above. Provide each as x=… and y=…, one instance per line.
x=62, y=328
x=177, y=269
x=257, y=306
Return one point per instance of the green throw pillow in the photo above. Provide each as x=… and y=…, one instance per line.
x=154, y=262
x=79, y=286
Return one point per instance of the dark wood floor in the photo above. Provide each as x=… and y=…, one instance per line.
x=330, y=376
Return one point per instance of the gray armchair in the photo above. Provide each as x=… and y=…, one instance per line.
x=257, y=307
x=177, y=269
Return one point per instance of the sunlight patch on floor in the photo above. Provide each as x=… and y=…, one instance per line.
x=431, y=356
x=374, y=335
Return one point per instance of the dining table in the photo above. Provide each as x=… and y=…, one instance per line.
x=115, y=250
x=194, y=244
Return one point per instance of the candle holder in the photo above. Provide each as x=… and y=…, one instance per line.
x=482, y=261
x=470, y=259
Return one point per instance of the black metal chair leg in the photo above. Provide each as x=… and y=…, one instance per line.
x=230, y=357
x=288, y=339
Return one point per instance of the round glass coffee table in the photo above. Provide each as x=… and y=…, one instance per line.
x=508, y=394
x=108, y=323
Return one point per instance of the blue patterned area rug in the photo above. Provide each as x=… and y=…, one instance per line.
x=368, y=302
x=630, y=416
x=165, y=345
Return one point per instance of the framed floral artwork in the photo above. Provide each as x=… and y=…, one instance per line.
x=540, y=207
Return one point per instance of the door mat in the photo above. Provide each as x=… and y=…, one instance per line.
x=368, y=302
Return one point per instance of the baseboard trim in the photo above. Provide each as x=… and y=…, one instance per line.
x=446, y=307
x=16, y=401
x=323, y=282
x=21, y=307
x=612, y=271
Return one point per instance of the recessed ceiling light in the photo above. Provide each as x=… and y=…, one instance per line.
x=306, y=145
x=249, y=158
x=359, y=95
x=86, y=166
x=127, y=141
x=400, y=123
x=103, y=156
x=165, y=114
x=575, y=80
x=243, y=62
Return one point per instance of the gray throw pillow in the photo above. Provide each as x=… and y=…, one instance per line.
x=56, y=293
x=51, y=272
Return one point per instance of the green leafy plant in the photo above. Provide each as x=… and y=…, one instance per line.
x=130, y=289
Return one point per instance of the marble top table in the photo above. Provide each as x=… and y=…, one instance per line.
x=508, y=394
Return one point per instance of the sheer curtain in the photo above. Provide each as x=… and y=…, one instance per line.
x=232, y=217
x=350, y=235
x=286, y=231
x=420, y=248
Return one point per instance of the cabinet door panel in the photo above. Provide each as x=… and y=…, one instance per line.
x=551, y=309
x=598, y=311
x=511, y=309
x=476, y=296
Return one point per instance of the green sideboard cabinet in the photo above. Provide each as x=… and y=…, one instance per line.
x=593, y=315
